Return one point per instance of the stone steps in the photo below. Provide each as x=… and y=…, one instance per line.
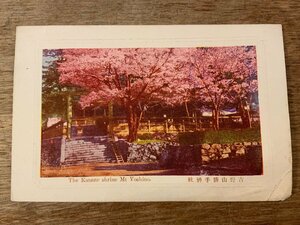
x=78, y=162
x=88, y=151
x=89, y=157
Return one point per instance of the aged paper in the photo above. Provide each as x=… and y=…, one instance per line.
x=150, y=113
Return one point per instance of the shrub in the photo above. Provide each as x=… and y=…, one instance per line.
x=220, y=136
x=191, y=138
x=145, y=136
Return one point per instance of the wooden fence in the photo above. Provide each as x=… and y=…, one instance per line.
x=147, y=125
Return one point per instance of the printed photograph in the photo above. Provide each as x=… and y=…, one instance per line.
x=150, y=111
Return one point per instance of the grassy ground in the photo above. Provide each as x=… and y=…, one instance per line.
x=142, y=142
x=231, y=136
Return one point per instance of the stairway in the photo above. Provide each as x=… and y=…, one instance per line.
x=117, y=152
x=88, y=150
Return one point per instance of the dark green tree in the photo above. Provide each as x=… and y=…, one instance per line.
x=56, y=97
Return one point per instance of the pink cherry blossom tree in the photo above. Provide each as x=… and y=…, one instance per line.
x=136, y=78
x=245, y=83
x=133, y=78
x=224, y=75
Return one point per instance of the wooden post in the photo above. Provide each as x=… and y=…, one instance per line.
x=63, y=150
x=200, y=123
x=166, y=124
x=65, y=130
x=183, y=126
x=149, y=126
x=69, y=115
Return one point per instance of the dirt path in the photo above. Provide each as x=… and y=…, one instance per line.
x=106, y=169
x=238, y=166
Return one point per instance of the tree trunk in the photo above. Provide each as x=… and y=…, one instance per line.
x=186, y=109
x=216, y=118
x=110, y=119
x=245, y=114
x=133, y=123
x=249, y=119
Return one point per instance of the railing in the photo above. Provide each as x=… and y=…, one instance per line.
x=163, y=124
x=83, y=121
x=83, y=126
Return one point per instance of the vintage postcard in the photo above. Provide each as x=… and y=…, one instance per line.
x=150, y=113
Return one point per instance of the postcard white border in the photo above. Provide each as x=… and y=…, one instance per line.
x=274, y=184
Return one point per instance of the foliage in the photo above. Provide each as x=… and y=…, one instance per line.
x=191, y=138
x=134, y=78
x=53, y=102
x=220, y=136
x=54, y=97
x=223, y=76
x=138, y=78
x=145, y=136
